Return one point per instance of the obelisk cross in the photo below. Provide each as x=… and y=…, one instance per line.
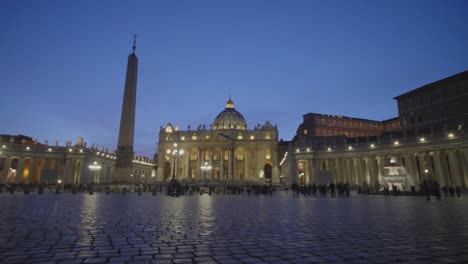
x=134, y=42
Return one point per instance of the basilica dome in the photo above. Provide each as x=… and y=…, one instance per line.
x=229, y=119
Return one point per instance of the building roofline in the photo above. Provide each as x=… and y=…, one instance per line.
x=352, y=118
x=455, y=77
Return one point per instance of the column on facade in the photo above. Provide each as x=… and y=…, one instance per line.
x=229, y=164
x=439, y=171
x=210, y=161
x=337, y=171
x=291, y=166
x=355, y=170
x=66, y=176
x=453, y=162
x=460, y=167
x=419, y=163
x=371, y=171
x=445, y=178
x=246, y=164
x=200, y=161
x=6, y=169
x=464, y=163
x=311, y=165
x=221, y=164
x=31, y=170
x=380, y=168
x=347, y=167
x=232, y=166
x=19, y=170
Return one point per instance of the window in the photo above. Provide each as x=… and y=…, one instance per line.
x=207, y=155
x=226, y=155
x=207, y=137
x=267, y=135
x=194, y=136
x=240, y=136
x=252, y=137
x=216, y=154
x=182, y=138
x=267, y=153
x=194, y=154
x=305, y=131
x=240, y=154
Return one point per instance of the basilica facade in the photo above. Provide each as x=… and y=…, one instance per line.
x=225, y=151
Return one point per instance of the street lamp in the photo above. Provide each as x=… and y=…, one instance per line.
x=205, y=167
x=175, y=153
x=94, y=167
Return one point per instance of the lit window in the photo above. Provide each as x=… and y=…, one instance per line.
x=194, y=154
x=267, y=136
x=240, y=136
x=252, y=137
x=194, y=136
x=216, y=154
x=240, y=154
x=305, y=131
x=182, y=138
x=267, y=153
x=207, y=137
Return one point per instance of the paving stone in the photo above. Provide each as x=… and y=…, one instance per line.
x=232, y=229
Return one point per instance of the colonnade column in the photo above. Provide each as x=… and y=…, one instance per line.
x=453, y=169
x=438, y=168
x=6, y=169
x=464, y=163
x=372, y=174
x=418, y=164
x=31, y=170
x=349, y=170
x=246, y=164
x=337, y=170
x=380, y=168
x=310, y=168
x=19, y=170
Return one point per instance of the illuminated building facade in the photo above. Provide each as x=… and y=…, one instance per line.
x=425, y=142
x=234, y=152
x=24, y=160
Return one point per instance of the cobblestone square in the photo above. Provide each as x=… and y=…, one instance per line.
x=116, y=228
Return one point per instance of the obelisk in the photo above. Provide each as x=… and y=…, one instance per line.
x=123, y=164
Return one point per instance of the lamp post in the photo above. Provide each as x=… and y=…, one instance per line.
x=94, y=167
x=205, y=167
x=175, y=153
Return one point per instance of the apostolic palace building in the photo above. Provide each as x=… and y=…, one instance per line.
x=426, y=141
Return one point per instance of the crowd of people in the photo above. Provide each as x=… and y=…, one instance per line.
x=175, y=188
x=339, y=189
x=433, y=189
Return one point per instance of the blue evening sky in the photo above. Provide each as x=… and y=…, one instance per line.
x=63, y=62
